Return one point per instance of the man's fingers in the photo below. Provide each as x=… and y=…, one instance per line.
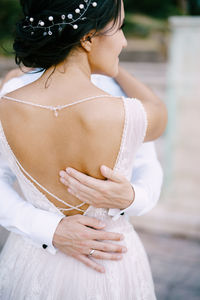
x=107, y=256
x=91, y=222
x=77, y=189
x=82, y=178
x=110, y=174
x=99, y=235
x=108, y=247
x=90, y=263
x=111, y=236
x=79, y=195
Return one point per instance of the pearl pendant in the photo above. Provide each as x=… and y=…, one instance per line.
x=56, y=113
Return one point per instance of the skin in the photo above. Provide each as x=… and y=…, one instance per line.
x=88, y=126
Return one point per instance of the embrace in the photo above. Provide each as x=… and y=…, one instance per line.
x=72, y=130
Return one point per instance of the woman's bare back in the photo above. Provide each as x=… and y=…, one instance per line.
x=83, y=136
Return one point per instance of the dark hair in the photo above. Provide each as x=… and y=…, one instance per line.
x=38, y=51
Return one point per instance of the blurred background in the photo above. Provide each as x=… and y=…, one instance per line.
x=164, y=52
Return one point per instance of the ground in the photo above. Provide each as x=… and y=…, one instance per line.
x=175, y=264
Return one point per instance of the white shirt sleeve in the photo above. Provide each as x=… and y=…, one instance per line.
x=21, y=217
x=147, y=178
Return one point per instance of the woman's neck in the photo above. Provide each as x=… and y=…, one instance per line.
x=75, y=69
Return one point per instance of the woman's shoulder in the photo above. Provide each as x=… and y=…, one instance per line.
x=107, y=108
x=103, y=108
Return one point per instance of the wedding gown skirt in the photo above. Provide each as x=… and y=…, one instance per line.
x=30, y=273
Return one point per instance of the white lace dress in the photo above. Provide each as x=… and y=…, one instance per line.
x=31, y=273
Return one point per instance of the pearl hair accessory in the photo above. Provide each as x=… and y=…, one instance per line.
x=68, y=19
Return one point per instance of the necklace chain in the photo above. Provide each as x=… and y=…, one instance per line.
x=56, y=108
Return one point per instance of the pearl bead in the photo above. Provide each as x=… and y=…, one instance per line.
x=31, y=19
x=49, y=32
x=75, y=26
x=77, y=11
x=50, y=18
x=94, y=4
x=41, y=23
x=45, y=33
x=81, y=6
x=63, y=17
x=70, y=16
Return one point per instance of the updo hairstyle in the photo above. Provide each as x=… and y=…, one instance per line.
x=44, y=51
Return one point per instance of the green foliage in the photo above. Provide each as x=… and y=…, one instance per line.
x=9, y=13
x=156, y=8
x=194, y=7
x=136, y=28
x=143, y=26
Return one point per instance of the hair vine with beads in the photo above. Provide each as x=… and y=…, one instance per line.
x=50, y=29
x=71, y=18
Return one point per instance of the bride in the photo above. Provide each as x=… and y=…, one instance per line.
x=84, y=127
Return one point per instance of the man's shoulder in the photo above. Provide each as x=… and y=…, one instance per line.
x=18, y=82
x=12, y=85
x=107, y=84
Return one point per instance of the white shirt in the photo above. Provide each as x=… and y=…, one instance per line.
x=39, y=226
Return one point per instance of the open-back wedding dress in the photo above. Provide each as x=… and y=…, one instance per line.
x=31, y=273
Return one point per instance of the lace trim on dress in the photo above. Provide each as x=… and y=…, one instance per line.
x=145, y=119
x=123, y=138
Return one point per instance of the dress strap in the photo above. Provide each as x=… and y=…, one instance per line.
x=57, y=108
x=51, y=194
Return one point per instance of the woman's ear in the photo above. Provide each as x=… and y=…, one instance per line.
x=86, y=42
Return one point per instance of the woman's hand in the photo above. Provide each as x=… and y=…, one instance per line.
x=115, y=192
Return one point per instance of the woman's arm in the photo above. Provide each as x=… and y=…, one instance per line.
x=155, y=108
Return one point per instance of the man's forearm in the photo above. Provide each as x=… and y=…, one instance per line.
x=21, y=217
x=147, y=178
